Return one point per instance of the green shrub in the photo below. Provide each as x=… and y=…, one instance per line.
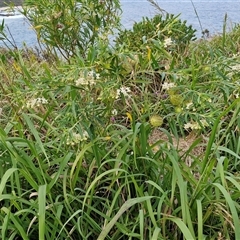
x=72, y=26
x=89, y=151
x=159, y=28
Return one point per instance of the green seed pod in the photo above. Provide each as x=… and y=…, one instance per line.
x=156, y=121
x=178, y=109
x=176, y=100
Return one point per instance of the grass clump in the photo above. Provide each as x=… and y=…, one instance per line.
x=121, y=142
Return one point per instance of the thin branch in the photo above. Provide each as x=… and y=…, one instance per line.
x=156, y=5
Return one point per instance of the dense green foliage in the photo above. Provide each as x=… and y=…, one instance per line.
x=151, y=31
x=71, y=27
x=120, y=142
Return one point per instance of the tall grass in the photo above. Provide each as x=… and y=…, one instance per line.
x=97, y=147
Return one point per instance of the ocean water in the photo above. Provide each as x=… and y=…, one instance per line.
x=210, y=15
x=19, y=30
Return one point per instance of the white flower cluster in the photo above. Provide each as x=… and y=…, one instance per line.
x=190, y=105
x=236, y=95
x=89, y=79
x=123, y=90
x=167, y=86
x=196, y=125
x=76, y=138
x=167, y=42
x=36, y=102
x=114, y=112
x=236, y=67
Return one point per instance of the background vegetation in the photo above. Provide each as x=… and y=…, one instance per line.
x=132, y=139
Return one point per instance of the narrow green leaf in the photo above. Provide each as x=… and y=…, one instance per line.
x=200, y=220
x=5, y=226
x=213, y=133
x=4, y=179
x=141, y=223
x=183, y=193
x=77, y=164
x=182, y=226
x=150, y=212
x=35, y=133
x=233, y=181
x=66, y=223
x=42, y=210
x=63, y=164
x=224, y=149
x=94, y=182
x=232, y=207
x=16, y=223
x=156, y=233
x=129, y=203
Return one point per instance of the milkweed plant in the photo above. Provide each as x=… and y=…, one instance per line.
x=136, y=138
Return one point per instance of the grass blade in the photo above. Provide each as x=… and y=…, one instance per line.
x=156, y=233
x=42, y=210
x=4, y=179
x=182, y=226
x=129, y=203
x=232, y=207
x=200, y=220
x=16, y=223
x=35, y=133
x=213, y=133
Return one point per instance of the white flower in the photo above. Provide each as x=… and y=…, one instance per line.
x=204, y=123
x=124, y=90
x=167, y=86
x=97, y=75
x=91, y=74
x=88, y=80
x=36, y=102
x=188, y=105
x=118, y=94
x=235, y=67
x=114, y=112
x=85, y=136
x=196, y=125
x=42, y=100
x=167, y=42
x=85, y=81
x=236, y=95
x=76, y=138
x=235, y=55
x=81, y=81
x=192, y=126
x=187, y=125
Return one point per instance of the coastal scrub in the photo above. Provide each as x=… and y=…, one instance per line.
x=134, y=141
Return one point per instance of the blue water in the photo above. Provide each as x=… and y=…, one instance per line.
x=210, y=13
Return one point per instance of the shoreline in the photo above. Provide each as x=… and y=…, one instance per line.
x=8, y=8
x=6, y=12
